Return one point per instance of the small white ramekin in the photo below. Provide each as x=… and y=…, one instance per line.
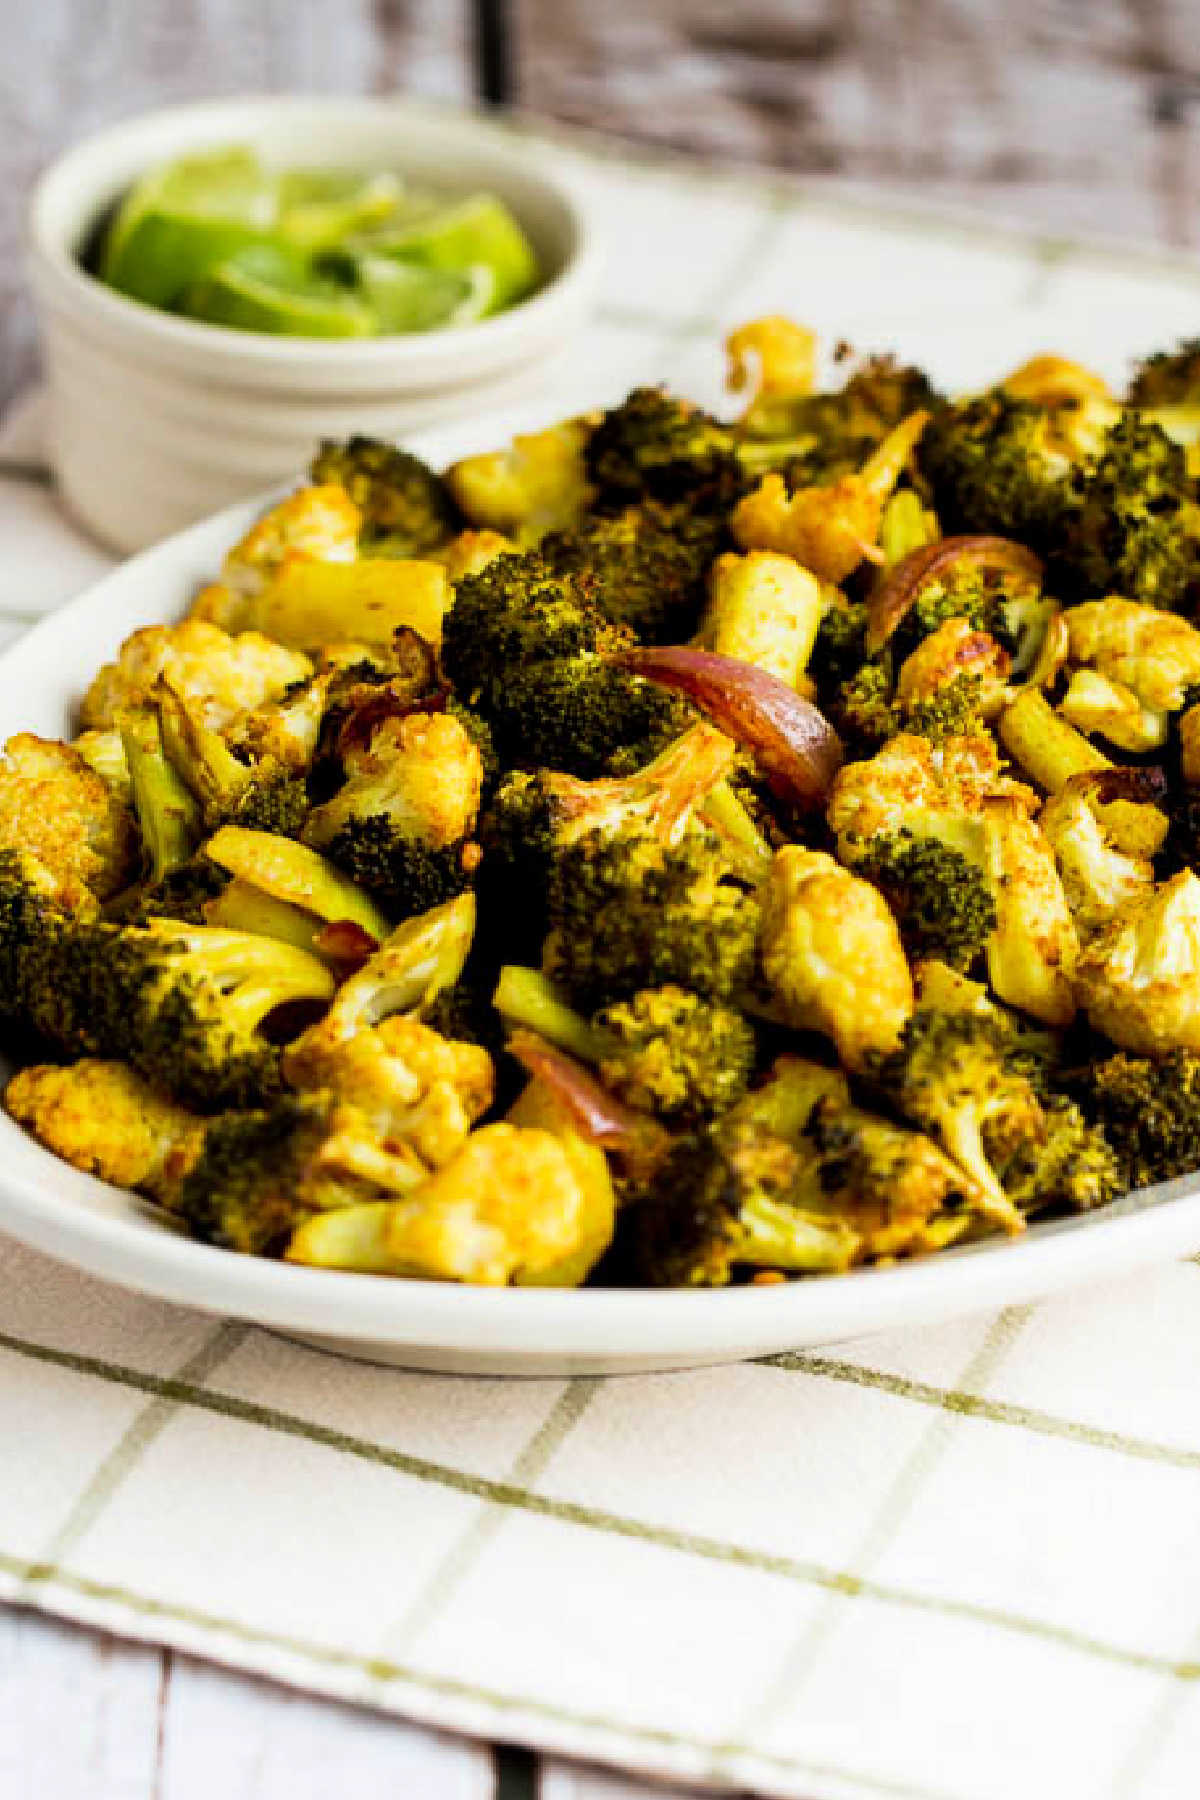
x=157, y=420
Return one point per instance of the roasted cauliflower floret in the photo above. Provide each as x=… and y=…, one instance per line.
x=417, y=1089
x=102, y=1118
x=763, y=609
x=512, y=1206
x=1051, y=381
x=432, y=773
x=472, y=551
x=1031, y=953
x=1098, y=879
x=1189, y=746
x=922, y=785
x=775, y=361
x=222, y=675
x=956, y=652
x=1154, y=654
x=831, y=954
x=537, y=485
x=56, y=807
x=1095, y=703
x=1139, y=978
x=828, y=529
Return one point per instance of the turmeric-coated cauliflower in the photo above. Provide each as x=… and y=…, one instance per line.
x=423, y=771
x=222, y=675
x=54, y=806
x=1095, y=703
x=1139, y=978
x=1155, y=654
x=776, y=360
x=102, y=1118
x=538, y=484
x=511, y=1206
x=828, y=529
x=831, y=954
x=917, y=784
x=953, y=650
x=1031, y=952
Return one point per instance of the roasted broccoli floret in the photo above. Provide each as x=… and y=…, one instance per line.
x=991, y=468
x=664, y=1049
x=184, y=1005
x=644, y=567
x=533, y=819
x=1149, y=1110
x=1168, y=377
x=818, y=437
x=227, y=789
x=951, y=1076
x=941, y=900
x=406, y=508
x=1070, y=1164
x=627, y=912
x=523, y=644
x=1129, y=527
x=262, y=1173
x=656, y=446
x=795, y=1178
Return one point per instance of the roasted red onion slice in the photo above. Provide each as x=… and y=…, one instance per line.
x=598, y=1115
x=794, y=744
x=902, y=583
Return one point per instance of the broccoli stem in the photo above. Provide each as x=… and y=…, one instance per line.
x=748, y=849
x=167, y=814
x=524, y=997
x=905, y=527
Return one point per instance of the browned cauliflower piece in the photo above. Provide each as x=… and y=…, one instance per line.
x=829, y=530
x=470, y=552
x=1096, y=703
x=916, y=783
x=763, y=609
x=511, y=1206
x=1097, y=877
x=422, y=771
x=222, y=675
x=1139, y=978
x=316, y=524
x=1154, y=654
x=1031, y=953
x=775, y=361
x=102, y=1118
x=538, y=484
x=831, y=954
x=56, y=807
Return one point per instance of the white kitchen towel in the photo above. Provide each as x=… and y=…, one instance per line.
x=961, y=1563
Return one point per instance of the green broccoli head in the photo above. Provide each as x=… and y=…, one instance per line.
x=263, y=1172
x=181, y=895
x=518, y=610
x=987, y=463
x=720, y=1202
x=627, y=912
x=654, y=446
x=645, y=567
x=840, y=649
x=941, y=900
x=408, y=876
x=406, y=508
x=951, y=1076
x=1069, y=1165
x=1149, y=1112
x=832, y=434
x=1129, y=526
x=670, y=1052
x=582, y=716
x=184, y=1005
x=982, y=597
x=1168, y=377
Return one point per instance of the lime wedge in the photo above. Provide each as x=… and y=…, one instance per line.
x=475, y=231
x=182, y=218
x=270, y=288
x=317, y=208
x=407, y=297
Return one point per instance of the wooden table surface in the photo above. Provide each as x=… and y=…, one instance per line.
x=1079, y=113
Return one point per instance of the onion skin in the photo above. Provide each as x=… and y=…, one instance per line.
x=596, y=1114
x=901, y=585
x=795, y=746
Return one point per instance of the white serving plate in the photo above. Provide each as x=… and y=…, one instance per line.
x=481, y=1331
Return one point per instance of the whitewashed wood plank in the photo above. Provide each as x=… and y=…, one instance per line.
x=572, y=1781
x=230, y=1736
x=78, y=1712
